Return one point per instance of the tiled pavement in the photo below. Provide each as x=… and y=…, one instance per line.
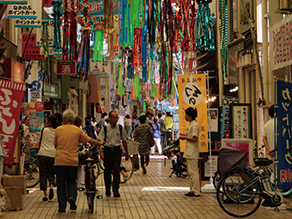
x=153, y=195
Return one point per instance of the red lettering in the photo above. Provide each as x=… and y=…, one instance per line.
x=288, y=175
x=282, y=176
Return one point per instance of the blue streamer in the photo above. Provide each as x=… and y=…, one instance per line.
x=144, y=53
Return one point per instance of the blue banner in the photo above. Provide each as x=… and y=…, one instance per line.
x=225, y=117
x=284, y=141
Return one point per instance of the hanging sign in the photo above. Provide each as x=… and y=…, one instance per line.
x=31, y=51
x=36, y=85
x=240, y=122
x=225, y=117
x=96, y=8
x=66, y=68
x=281, y=54
x=35, y=95
x=284, y=140
x=11, y=94
x=27, y=16
x=192, y=93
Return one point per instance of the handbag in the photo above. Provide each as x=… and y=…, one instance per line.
x=151, y=140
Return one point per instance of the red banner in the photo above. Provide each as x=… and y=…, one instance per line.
x=11, y=94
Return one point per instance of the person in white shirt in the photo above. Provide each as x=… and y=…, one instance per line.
x=192, y=151
x=46, y=157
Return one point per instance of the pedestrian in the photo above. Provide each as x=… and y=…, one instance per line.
x=80, y=170
x=192, y=151
x=27, y=136
x=168, y=121
x=101, y=123
x=112, y=134
x=162, y=130
x=46, y=157
x=149, y=120
x=141, y=135
x=66, y=142
x=156, y=137
x=90, y=130
x=268, y=137
x=128, y=125
x=136, y=122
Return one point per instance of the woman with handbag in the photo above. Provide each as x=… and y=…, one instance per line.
x=46, y=157
x=143, y=134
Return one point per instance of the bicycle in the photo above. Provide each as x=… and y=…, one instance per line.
x=241, y=190
x=91, y=160
x=126, y=165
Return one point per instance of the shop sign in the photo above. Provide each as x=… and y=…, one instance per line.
x=226, y=102
x=96, y=8
x=35, y=95
x=27, y=16
x=240, y=127
x=66, y=68
x=14, y=70
x=31, y=51
x=36, y=85
x=101, y=103
x=51, y=90
x=192, y=93
x=281, y=47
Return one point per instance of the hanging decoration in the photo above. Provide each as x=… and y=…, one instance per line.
x=57, y=14
x=193, y=19
x=98, y=42
x=46, y=59
x=86, y=23
x=204, y=21
x=223, y=22
x=70, y=31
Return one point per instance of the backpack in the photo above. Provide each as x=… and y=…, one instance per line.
x=120, y=128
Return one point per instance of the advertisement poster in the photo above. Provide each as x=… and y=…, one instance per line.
x=240, y=121
x=36, y=113
x=213, y=120
x=284, y=141
x=11, y=94
x=226, y=102
x=192, y=93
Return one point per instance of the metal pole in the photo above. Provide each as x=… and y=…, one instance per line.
x=220, y=74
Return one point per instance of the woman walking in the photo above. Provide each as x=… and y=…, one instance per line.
x=156, y=137
x=141, y=135
x=128, y=125
x=46, y=157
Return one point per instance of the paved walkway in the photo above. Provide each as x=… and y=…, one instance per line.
x=153, y=195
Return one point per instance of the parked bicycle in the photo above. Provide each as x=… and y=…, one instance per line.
x=90, y=159
x=241, y=190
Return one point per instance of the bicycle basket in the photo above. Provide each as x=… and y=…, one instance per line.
x=230, y=157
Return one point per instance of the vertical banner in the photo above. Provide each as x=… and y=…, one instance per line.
x=192, y=93
x=284, y=141
x=225, y=116
x=240, y=120
x=11, y=95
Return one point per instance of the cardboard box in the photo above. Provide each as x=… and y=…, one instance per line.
x=16, y=198
x=12, y=180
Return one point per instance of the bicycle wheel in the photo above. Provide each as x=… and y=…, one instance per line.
x=32, y=172
x=90, y=201
x=236, y=196
x=215, y=179
x=128, y=167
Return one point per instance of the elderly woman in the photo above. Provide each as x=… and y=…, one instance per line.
x=66, y=142
x=141, y=135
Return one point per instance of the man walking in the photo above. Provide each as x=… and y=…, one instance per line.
x=112, y=134
x=192, y=151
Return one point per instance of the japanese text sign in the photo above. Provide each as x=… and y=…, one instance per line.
x=192, y=93
x=31, y=51
x=284, y=141
x=28, y=16
x=66, y=68
x=11, y=95
x=226, y=102
x=240, y=121
x=96, y=8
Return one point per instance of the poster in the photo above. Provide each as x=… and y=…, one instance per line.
x=240, y=124
x=192, y=93
x=207, y=168
x=31, y=51
x=225, y=116
x=35, y=111
x=213, y=120
x=284, y=141
x=11, y=94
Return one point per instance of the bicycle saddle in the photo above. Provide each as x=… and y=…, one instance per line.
x=261, y=161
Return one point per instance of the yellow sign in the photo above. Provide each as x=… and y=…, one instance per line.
x=192, y=93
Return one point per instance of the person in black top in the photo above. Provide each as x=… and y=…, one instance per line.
x=90, y=130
